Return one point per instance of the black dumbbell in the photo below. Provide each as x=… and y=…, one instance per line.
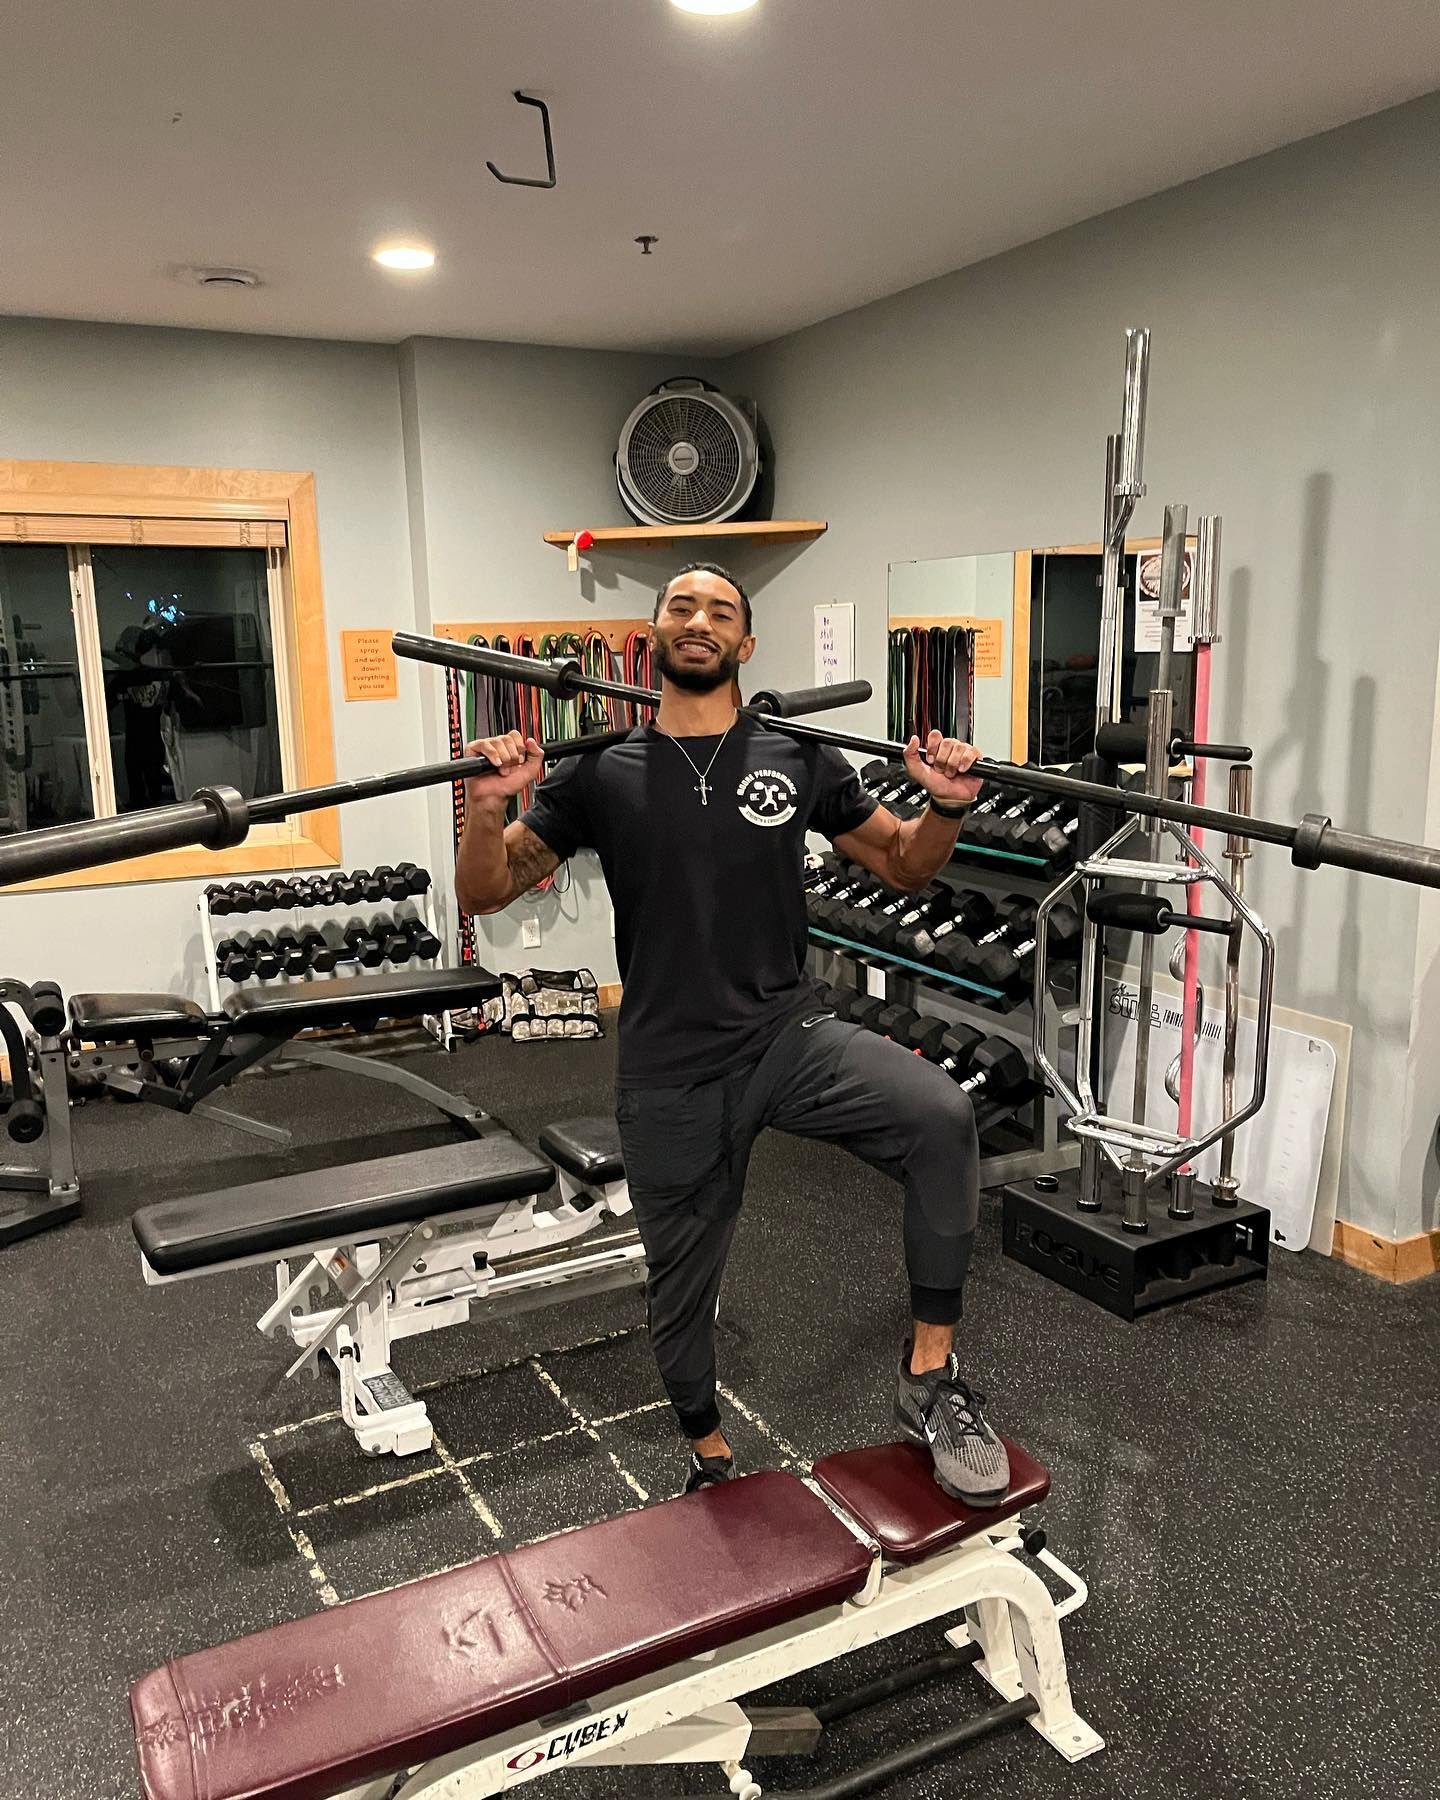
x=957, y=1049
x=1006, y=963
x=1002, y=826
x=394, y=943
x=386, y=883
x=866, y=1010
x=998, y=1069
x=863, y=910
x=894, y=1021
x=424, y=945
x=904, y=912
x=290, y=948
x=909, y=802
x=350, y=886
x=876, y=772
x=417, y=880
x=843, y=1001
x=938, y=940
x=835, y=875
x=234, y=960
x=1050, y=834
x=232, y=897
x=984, y=958
x=829, y=911
x=269, y=959
x=314, y=890
x=321, y=955
x=821, y=870
x=265, y=897
x=362, y=944
x=924, y=1036
x=995, y=798
x=890, y=787
x=1011, y=970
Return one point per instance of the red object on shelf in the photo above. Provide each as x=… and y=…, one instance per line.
x=584, y=540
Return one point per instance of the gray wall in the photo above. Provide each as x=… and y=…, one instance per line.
x=1295, y=389
x=93, y=393
x=503, y=443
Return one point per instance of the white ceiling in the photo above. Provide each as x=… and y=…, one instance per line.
x=793, y=162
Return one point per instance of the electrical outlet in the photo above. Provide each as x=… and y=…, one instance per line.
x=530, y=934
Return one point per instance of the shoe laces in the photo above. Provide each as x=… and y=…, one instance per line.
x=967, y=1405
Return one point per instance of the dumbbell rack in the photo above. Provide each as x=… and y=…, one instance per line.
x=1039, y=1148
x=440, y=1026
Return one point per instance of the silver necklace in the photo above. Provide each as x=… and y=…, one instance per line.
x=704, y=788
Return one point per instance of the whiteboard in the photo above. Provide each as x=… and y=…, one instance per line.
x=1278, y=1154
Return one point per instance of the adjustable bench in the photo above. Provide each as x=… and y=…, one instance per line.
x=133, y=1041
x=408, y=1244
x=627, y=1641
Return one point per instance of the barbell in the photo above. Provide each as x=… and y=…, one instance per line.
x=218, y=816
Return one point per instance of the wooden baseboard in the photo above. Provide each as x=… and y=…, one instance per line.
x=1392, y=1259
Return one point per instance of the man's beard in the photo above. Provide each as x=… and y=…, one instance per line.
x=695, y=680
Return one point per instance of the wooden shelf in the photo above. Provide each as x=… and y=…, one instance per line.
x=765, y=531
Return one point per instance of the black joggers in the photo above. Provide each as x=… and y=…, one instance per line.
x=687, y=1149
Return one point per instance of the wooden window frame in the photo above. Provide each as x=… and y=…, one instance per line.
x=129, y=490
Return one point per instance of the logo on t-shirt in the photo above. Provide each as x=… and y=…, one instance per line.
x=767, y=797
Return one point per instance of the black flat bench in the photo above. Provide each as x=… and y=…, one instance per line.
x=588, y=1149
x=266, y=1220
x=166, y=1049
x=360, y=1000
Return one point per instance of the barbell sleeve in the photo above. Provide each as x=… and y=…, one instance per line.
x=214, y=818
x=779, y=704
x=556, y=676
x=1148, y=913
x=1125, y=743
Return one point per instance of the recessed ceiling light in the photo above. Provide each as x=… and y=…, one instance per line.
x=713, y=7
x=404, y=256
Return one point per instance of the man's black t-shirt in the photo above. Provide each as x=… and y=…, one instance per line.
x=709, y=899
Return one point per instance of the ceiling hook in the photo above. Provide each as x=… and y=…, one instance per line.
x=530, y=180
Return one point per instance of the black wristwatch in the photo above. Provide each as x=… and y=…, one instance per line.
x=949, y=812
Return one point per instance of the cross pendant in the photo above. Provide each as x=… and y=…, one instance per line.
x=704, y=791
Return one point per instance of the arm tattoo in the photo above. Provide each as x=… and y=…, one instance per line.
x=530, y=860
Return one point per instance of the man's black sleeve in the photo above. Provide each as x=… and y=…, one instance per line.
x=840, y=801
x=559, y=814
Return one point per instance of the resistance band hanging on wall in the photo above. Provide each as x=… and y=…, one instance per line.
x=930, y=681
x=481, y=706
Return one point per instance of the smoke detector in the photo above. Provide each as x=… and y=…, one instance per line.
x=224, y=278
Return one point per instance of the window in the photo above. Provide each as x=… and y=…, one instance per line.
x=176, y=646
x=147, y=650
x=44, y=756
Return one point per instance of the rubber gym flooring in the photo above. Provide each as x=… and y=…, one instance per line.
x=1249, y=1483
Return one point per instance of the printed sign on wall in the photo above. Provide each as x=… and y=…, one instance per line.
x=369, y=665
x=834, y=643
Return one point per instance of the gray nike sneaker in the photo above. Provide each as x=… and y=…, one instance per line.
x=938, y=1412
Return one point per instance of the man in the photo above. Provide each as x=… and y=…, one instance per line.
x=699, y=820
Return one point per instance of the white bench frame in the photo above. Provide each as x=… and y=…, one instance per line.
x=690, y=1713
x=439, y=1271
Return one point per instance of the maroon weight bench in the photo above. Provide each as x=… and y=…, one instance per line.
x=630, y=1640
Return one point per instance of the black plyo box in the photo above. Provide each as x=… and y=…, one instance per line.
x=1129, y=1273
